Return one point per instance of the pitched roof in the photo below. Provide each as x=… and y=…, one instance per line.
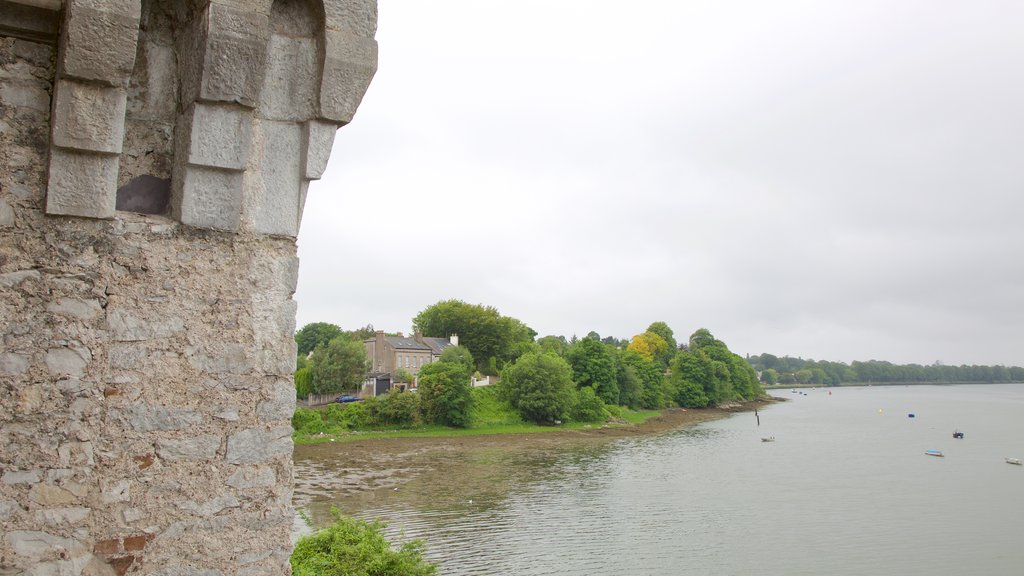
x=399, y=343
x=437, y=345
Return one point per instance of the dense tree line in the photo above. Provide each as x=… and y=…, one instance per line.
x=558, y=379
x=545, y=379
x=788, y=370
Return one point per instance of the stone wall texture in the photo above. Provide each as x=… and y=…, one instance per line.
x=146, y=358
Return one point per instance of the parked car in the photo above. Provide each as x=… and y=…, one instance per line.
x=346, y=399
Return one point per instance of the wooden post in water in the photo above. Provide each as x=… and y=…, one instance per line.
x=758, y=417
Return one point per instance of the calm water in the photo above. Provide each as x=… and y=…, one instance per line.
x=845, y=489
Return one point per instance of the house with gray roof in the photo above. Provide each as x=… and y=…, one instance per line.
x=391, y=353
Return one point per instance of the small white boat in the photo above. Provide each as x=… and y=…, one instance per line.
x=768, y=439
x=1015, y=461
x=934, y=453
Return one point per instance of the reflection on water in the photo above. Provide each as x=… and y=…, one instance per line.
x=845, y=489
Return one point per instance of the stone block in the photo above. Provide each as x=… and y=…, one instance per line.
x=349, y=64
x=128, y=327
x=200, y=448
x=40, y=545
x=21, y=477
x=112, y=492
x=290, y=82
x=225, y=52
x=319, y=139
x=303, y=191
x=89, y=117
x=247, y=477
x=50, y=495
x=218, y=135
x=209, y=507
x=257, y=445
x=8, y=508
x=67, y=361
x=82, y=184
x=75, y=308
x=210, y=198
x=98, y=40
x=25, y=96
x=274, y=192
x=14, y=279
x=230, y=359
x=152, y=418
x=58, y=516
x=6, y=215
x=13, y=364
x=280, y=405
x=356, y=17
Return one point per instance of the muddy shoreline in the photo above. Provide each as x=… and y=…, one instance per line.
x=359, y=468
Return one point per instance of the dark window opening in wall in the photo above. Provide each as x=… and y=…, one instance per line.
x=145, y=195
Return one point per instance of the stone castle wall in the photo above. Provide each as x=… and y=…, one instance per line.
x=146, y=358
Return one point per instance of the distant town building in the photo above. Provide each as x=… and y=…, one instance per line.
x=391, y=353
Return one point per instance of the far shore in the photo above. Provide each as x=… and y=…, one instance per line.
x=668, y=419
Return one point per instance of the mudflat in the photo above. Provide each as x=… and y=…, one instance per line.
x=367, y=465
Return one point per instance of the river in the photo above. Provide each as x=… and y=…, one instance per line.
x=845, y=488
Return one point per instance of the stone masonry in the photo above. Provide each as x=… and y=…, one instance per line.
x=154, y=162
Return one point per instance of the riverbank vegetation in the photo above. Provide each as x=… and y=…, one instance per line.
x=787, y=371
x=543, y=382
x=353, y=547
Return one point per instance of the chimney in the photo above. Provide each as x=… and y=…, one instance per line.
x=454, y=339
x=418, y=336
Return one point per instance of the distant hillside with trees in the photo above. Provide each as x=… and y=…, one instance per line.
x=788, y=370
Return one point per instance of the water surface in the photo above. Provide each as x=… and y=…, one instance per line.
x=845, y=489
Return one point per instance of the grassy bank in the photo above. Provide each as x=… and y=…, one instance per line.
x=490, y=416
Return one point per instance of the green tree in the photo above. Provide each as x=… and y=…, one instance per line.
x=649, y=345
x=662, y=329
x=554, y=344
x=539, y=387
x=653, y=390
x=339, y=366
x=303, y=383
x=459, y=355
x=486, y=333
x=446, y=397
x=588, y=407
x=403, y=376
x=310, y=336
x=630, y=386
x=353, y=547
x=593, y=365
x=769, y=376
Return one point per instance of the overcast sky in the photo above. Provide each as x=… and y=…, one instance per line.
x=836, y=180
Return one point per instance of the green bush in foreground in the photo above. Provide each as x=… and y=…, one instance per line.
x=308, y=421
x=589, y=407
x=352, y=547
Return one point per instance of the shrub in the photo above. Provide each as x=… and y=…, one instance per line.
x=352, y=547
x=355, y=415
x=589, y=408
x=303, y=383
x=396, y=408
x=445, y=394
x=333, y=415
x=307, y=421
x=539, y=386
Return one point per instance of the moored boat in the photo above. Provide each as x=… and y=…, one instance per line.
x=768, y=439
x=958, y=434
x=1014, y=461
x=934, y=453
